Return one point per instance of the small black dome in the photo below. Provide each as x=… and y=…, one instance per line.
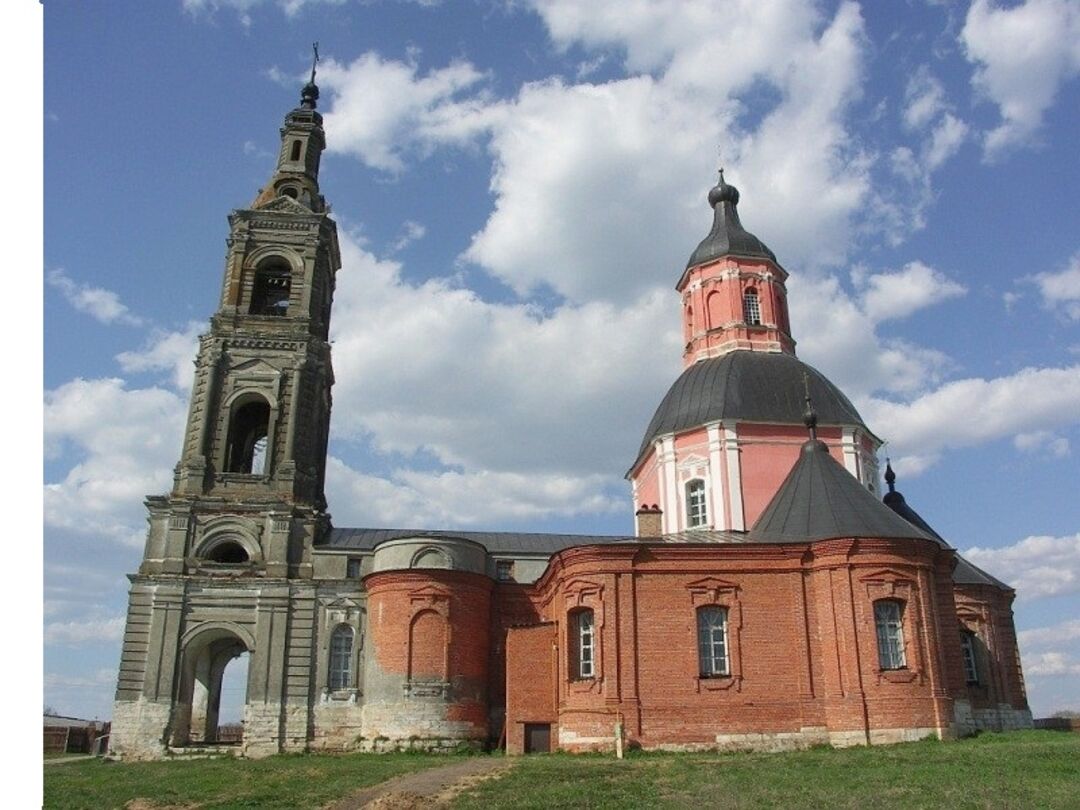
x=750, y=386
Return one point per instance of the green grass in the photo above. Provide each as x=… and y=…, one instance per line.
x=1017, y=770
x=286, y=781
x=1033, y=769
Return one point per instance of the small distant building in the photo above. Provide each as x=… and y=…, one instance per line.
x=72, y=734
x=769, y=598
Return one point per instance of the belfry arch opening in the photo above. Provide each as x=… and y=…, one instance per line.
x=271, y=289
x=228, y=552
x=248, y=438
x=213, y=689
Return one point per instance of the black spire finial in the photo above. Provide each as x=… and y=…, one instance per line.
x=809, y=415
x=309, y=96
x=890, y=476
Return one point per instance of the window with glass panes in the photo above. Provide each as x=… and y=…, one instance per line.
x=890, y=634
x=696, y=513
x=712, y=642
x=341, y=646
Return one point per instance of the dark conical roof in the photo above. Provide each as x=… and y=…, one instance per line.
x=728, y=237
x=752, y=386
x=820, y=500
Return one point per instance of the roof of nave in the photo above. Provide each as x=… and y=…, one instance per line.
x=748, y=385
x=965, y=572
x=820, y=500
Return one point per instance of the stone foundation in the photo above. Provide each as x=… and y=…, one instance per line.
x=138, y=729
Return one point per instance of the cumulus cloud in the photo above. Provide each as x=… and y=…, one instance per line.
x=968, y=412
x=503, y=387
x=1042, y=441
x=1040, y=637
x=1022, y=55
x=173, y=352
x=887, y=296
x=100, y=304
x=1051, y=663
x=1061, y=291
x=1036, y=566
x=87, y=631
x=126, y=441
x=381, y=109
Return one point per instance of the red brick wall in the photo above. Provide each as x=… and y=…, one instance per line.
x=530, y=682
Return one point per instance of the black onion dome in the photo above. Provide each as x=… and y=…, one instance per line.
x=309, y=96
x=728, y=237
x=750, y=386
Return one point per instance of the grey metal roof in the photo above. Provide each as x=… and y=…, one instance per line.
x=495, y=542
x=728, y=237
x=820, y=500
x=749, y=385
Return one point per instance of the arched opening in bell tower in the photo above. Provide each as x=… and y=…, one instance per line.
x=213, y=688
x=248, y=437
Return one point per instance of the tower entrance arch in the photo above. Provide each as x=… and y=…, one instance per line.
x=204, y=656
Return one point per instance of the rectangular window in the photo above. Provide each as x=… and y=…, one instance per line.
x=504, y=570
x=582, y=639
x=352, y=568
x=890, y=634
x=712, y=642
x=341, y=645
x=971, y=666
x=696, y=513
x=751, y=308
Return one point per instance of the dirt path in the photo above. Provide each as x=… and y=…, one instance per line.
x=435, y=787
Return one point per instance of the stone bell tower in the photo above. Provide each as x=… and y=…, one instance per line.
x=227, y=567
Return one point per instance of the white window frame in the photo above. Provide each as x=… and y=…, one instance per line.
x=583, y=630
x=751, y=307
x=339, y=665
x=697, y=509
x=889, y=623
x=714, y=654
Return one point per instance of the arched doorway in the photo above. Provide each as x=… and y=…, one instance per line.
x=204, y=658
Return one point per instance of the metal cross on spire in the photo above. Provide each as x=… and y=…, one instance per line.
x=315, y=60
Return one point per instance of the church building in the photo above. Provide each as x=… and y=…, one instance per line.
x=770, y=597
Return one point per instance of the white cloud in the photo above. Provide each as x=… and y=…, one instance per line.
x=87, y=631
x=1022, y=55
x=100, y=304
x=1036, y=566
x=947, y=137
x=410, y=232
x=1042, y=637
x=924, y=99
x=888, y=296
x=291, y=8
x=1042, y=440
x=126, y=441
x=167, y=351
x=498, y=387
x=1061, y=291
x=1051, y=663
x=380, y=109
x=413, y=499
x=968, y=412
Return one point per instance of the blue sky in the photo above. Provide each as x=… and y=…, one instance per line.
x=517, y=187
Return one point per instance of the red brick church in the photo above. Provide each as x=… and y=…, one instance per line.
x=770, y=597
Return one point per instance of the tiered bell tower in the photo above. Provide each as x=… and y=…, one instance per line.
x=227, y=567
x=255, y=444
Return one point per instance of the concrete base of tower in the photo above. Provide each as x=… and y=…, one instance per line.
x=139, y=729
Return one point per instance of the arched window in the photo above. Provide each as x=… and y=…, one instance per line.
x=582, y=645
x=229, y=552
x=295, y=151
x=341, y=646
x=713, y=660
x=270, y=290
x=714, y=305
x=246, y=452
x=971, y=663
x=888, y=618
x=751, y=307
x=696, y=512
